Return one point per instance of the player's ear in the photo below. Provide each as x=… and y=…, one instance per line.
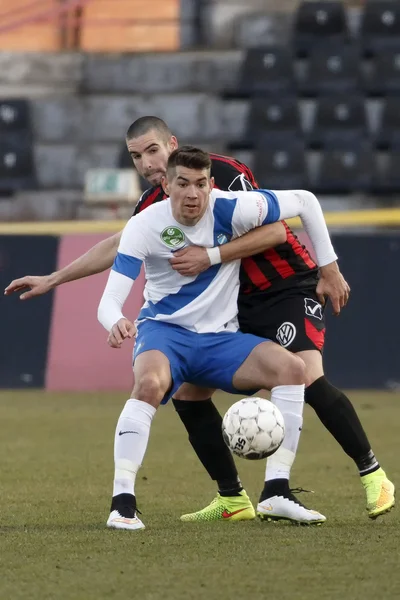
x=164, y=183
x=173, y=143
x=212, y=183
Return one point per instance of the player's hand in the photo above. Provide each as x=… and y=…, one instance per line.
x=333, y=285
x=37, y=286
x=122, y=330
x=190, y=261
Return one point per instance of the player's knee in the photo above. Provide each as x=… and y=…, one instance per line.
x=150, y=388
x=292, y=370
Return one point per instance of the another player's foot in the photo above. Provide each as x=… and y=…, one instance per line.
x=380, y=493
x=225, y=508
x=277, y=503
x=123, y=513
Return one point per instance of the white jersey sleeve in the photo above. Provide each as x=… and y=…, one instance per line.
x=132, y=251
x=253, y=209
x=304, y=204
x=261, y=207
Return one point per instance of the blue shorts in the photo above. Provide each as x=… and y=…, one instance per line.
x=204, y=359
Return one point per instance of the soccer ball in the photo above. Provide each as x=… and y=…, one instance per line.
x=253, y=428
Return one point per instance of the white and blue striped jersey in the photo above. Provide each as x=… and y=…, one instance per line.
x=207, y=302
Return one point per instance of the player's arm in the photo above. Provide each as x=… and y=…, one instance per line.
x=195, y=259
x=281, y=205
x=96, y=260
x=125, y=269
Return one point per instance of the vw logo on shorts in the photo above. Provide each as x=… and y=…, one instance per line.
x=286, y=334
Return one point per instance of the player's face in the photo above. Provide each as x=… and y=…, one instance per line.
x=150, y=154
x=189, y=191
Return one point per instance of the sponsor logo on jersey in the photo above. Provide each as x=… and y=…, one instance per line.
x=173, y=237
x=286, y=334
x=313, y=308
x=222, y=238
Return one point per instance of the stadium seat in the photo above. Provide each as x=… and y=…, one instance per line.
x=345, y=168
x=14, y=115
x=331, y=69
x=266, y=71
x=338, y=118
x=281, y=166
x=380, y=26
x=384, y=75
x=16, y=163
x=388, y=134
x=386, y=178
x=318, y=23
x=270, y=119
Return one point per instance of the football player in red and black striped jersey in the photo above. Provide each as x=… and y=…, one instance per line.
x=281, y=298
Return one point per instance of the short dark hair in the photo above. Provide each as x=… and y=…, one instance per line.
x=145, y=124
x=189, y=157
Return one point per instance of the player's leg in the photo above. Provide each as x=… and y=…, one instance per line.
x=278, y=321
x=203, y=423
x=280, y=503
x=204, y=426
x=223, y=355
x=337, y=413
x=152, y=382
x=298, y=323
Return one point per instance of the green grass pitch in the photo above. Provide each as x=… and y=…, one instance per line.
x=56, y=473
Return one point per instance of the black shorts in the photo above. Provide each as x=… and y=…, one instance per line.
x=293, y=319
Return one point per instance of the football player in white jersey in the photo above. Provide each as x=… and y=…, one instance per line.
x=187, y=329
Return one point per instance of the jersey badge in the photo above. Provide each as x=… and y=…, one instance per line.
x=222, y=238
x=313, y=308
x=173, y=237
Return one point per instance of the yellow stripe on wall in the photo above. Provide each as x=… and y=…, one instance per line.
x=358, y=218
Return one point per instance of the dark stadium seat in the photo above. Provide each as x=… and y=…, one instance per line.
x=338, y=118
x=269, y=119
x=266, y=71
x=380, y=26
x=388, y=134
x=384, y=74
x=345, y=168
x=281, y=166
x=16, y=163
x=318, y=23
x=386, y=178
x=331, y=69
x=14, y=115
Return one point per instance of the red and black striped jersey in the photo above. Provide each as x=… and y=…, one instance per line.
x=285, y=266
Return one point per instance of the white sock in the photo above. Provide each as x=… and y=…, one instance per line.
x=290, y=401
x=131, y=438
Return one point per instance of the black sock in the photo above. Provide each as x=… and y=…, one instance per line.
x=203, y=424
x=125, y=504
x=275, y=487
x=337, y=413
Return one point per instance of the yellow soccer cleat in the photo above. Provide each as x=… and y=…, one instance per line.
x=224, y=508
x=380, y=493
